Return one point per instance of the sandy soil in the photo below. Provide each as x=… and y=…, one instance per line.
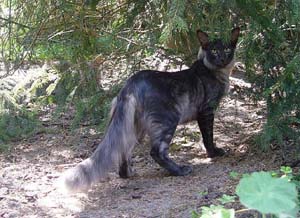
x=29, y=173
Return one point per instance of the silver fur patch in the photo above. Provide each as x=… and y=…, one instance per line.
x=201, y=53
x=187, y=109
x=113, y=106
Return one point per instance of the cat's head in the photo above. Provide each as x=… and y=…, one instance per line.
x=217, y=54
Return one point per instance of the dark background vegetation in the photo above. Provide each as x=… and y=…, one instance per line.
x=86, y=39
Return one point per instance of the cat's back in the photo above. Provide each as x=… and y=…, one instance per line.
x=158, y=79
x=151, y=82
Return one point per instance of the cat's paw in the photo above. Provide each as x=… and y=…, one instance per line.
x=182, y=170
x=185, y=170
x=217, y=152
x=126, y=172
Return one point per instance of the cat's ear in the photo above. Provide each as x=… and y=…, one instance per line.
x=234, y=36
x=203, y=38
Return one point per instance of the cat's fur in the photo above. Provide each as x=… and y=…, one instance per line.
x=154, y=103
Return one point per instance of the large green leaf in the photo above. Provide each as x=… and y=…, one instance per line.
x=262, y=192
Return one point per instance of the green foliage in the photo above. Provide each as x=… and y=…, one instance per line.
x=114, y=31
x=15, y=122
x=17, y=125
x=264, y=192
x=234, y=175
x=80, y=89
x=214, y=212
x=95, y=109
x=175, y=22
x=227, y=199
x=267, y=194
x=202, y=193
x=272, y=61
x=286, y=170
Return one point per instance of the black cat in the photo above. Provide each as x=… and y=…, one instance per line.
x=154, y=103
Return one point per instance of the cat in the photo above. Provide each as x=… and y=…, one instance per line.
x=154, y=103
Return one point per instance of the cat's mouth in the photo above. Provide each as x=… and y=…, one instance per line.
x=217, y=64
x=221, y=65
x=213, y=65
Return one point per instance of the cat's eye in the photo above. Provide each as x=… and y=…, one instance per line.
x=227, y=50
x=214, y=51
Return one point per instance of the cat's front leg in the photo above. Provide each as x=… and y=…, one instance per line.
x=206, y=124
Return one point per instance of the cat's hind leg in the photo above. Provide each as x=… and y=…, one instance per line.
x=161, y=134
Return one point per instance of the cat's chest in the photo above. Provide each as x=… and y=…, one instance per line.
x=213, y=92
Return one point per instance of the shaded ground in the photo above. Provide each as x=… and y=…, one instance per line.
x=29, y=174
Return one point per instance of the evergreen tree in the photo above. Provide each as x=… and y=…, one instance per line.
x=102, y=31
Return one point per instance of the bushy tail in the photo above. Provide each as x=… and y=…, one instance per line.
x=116, y=145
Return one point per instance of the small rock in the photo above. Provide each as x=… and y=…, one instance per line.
x=4, y=191
x=136, y=196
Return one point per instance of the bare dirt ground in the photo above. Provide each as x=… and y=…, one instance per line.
x=29, y=173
